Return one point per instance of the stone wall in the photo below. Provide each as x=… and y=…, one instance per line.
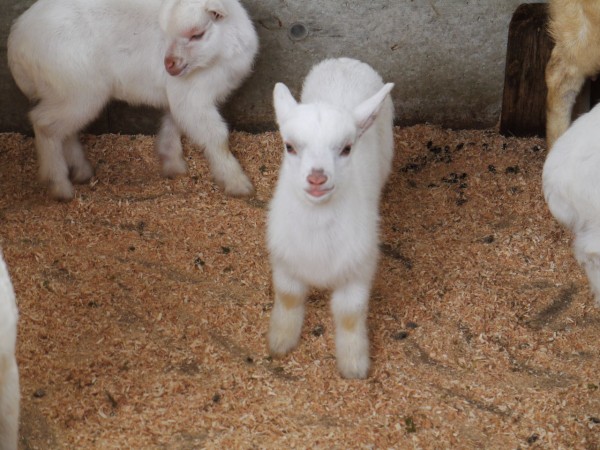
x=446, y=57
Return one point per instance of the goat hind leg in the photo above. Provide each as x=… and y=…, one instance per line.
x=53, y=168
x=79, y=167
x=55, y=124
x=564, y=81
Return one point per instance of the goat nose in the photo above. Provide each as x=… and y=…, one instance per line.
x=174, y=65
x=169, y=62
x=317, y=177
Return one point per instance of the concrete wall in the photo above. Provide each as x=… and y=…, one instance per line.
x=446, y=57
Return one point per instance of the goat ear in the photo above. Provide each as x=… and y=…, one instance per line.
x=283, y=101
x=216, y=9
x=366, y=113
x=166, y=13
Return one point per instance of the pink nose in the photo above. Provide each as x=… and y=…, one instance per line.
x=317, y=177
x=174, y=65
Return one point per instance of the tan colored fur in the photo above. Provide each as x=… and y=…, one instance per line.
x=290, y=301
x=575, y=28
x=349, y=322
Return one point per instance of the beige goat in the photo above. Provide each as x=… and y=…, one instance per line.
x=575, y=28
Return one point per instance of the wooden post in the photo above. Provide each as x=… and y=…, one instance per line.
x=528, y=51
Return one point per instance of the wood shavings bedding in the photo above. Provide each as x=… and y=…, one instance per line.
x=145, y=303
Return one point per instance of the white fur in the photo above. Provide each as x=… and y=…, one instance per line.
x=9, y=376
x=73, y=56
x=571, y=185
x=330, y=241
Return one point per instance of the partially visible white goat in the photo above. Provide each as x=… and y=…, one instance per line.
x=73, y=56
x=575, y=28
x=571, y=184
x=9, y=375
x=323, y=219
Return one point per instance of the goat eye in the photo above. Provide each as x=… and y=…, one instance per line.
x=197, y=37
x=346, y=150
x=290, y=149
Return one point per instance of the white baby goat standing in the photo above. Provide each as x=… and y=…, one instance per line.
x=571, y=182
x=323, y=219
x=183, y=56
x=9, y=376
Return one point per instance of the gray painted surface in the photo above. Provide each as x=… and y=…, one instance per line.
x=446, y=57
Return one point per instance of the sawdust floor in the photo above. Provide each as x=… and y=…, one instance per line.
x=145, y=303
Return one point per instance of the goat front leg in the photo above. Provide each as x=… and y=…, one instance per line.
x=9, y=403
x=586, y=249
x=287, y=315
x=349, y=305
x=204, y=125
x=169, y=149
x=564, y=81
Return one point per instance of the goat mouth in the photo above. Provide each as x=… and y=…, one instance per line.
x=177, y=71
x=318, y=193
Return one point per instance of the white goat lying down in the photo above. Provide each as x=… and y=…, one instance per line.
x=575, y=28
x=571, y=182
x=9, y=376
x=184, y=56
x=323, y=219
